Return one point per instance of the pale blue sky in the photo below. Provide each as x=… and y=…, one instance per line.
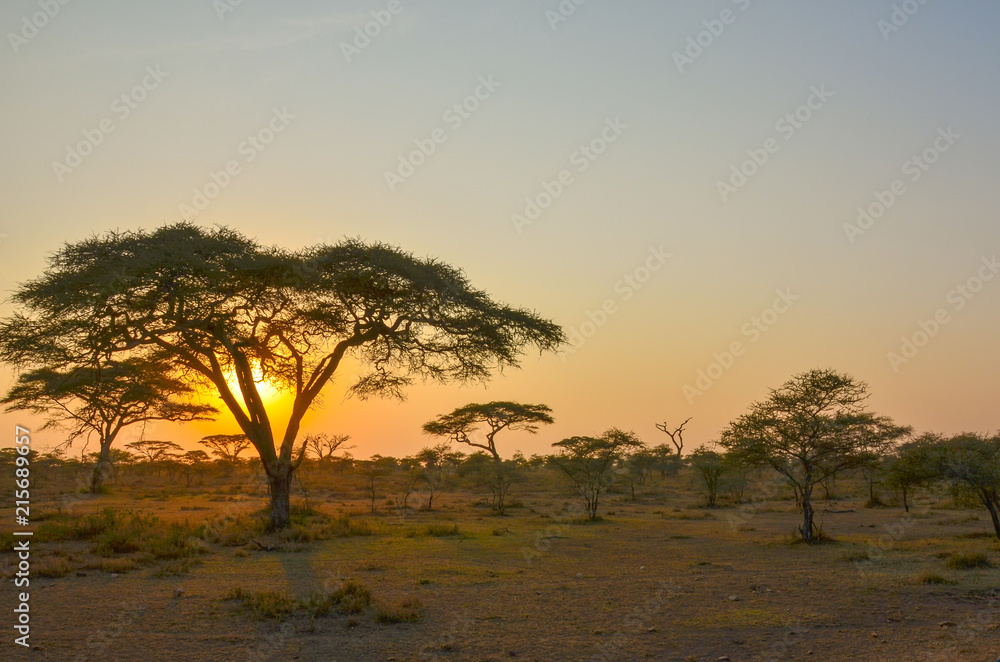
x=323, y=178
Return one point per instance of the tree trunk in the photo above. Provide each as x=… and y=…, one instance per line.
x=906, y=504
x=992, y=504
x=279, y=480
x=102, y=463
x=807, y=513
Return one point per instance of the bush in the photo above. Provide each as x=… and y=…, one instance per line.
x=263, y=605
x=968, y=561
x=407, y=611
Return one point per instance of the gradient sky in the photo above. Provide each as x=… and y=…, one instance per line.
x=655, y=187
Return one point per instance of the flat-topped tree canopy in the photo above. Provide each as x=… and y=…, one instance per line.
x=221, y=305
x=497, y=415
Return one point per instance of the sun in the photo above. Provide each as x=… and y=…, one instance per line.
x=268, y=391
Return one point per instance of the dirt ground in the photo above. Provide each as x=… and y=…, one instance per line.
x=651, y=581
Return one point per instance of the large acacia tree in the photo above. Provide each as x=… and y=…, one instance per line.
x=223, y=307
x=813, y=427
x=590, y=462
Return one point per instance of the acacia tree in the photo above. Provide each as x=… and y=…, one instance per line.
x=92, y=397
x=811, y=428
x=226, y=447
x=676, y=435
x=222, y=307
x=589, y=462
x=972, y=462
x=461, y=424
x=324, y=445
x=913, y=465
x=711, y=466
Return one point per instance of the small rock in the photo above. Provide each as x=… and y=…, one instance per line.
x=724, y=658
x=178, y=592
x=947, y=624
x=579, y=574
x=642, y=567
x=650, y=629
x=733, y=598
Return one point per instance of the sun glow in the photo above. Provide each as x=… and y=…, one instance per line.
x=268, y=391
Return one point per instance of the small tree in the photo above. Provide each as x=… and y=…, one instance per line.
x=373, y=471
x=194, y=462
x=676, y=435
x=226, y=447
x=972, y=462
x=91, y=397
x=439, y=466
x=814, y=426
x=155, y=451
x=589, y=462
x=324, y=445
x=710, y=466
x=461, y=424
x=635, y=468
x=913, y=465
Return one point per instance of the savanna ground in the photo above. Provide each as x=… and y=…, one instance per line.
x=659, y=578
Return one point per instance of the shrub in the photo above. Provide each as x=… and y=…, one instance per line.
x=263, y=605
x=968, y=561
x=407, y=611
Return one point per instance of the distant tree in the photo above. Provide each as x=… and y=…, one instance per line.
x=814, y=426
x=710, y=467
x=635, y=468
x=194, y=462
x=665, y=460
x=913, y=465
x=324, y=445
x=439, y=464
x=589, y=462
x=373, y=471
x=972, y=462
x=676, y=435
x=223, y=307
x=155, y=451
x=459, y=425
x=88, y=396
x=497, y=416
x=226, y=447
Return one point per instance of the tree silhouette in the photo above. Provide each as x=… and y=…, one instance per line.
x=460, y=424
x=220, y=306
x=811, y=428
x=590, y=461
x=226, y=447
x=91, y=398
